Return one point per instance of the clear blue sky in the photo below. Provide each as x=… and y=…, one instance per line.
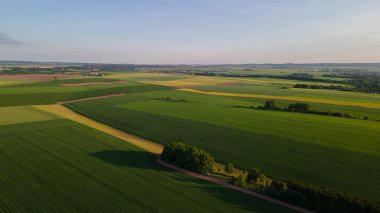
x=190, y=31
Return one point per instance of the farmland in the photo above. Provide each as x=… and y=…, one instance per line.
x=54, y=91
x=55, y=163
x=217, y=114
x=214, y=123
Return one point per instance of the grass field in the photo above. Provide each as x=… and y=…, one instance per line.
x=53, y=91
x=304, y=147
x=21, y=114
x=61, y=165
x=43, y=155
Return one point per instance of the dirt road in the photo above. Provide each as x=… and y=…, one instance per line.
x=89, y=99
x=233, y=187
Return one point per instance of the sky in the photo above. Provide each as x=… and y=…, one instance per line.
x=190, y=31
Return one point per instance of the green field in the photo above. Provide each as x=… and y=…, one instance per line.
x=53, y=91
x=51, y=163
x=61, y=165
x=341, y=153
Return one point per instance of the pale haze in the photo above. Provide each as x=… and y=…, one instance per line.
x=191, y=32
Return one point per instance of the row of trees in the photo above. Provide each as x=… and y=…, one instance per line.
x=188, y=157
x=359, y=84
x=370, y=84
x=298, y=107
x=305, y=108
x=315, y=86
x=319, y=199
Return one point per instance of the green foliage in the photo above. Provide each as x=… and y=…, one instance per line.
x=319, y=199
x=255, y=176
x=241, y=180
x=229, y=168
x=299, y=107
x=270, y=105
x=188, y=157
x=322, y=199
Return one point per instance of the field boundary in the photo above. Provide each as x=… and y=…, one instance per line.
x=67, y=113
x=93, y=98
x=151, y=147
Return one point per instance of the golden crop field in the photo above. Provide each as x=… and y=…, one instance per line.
x=289, y=98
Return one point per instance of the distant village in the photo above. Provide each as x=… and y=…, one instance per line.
x=62, y=70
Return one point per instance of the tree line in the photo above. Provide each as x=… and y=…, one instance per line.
x=305, y=108
x=320, y=199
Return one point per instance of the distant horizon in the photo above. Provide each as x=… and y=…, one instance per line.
x=191, y=32
x=173, y=64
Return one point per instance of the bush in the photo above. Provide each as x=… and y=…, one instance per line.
x=240, y=180
x=270, y=105
x=229, y=168
x=188, y=157
x=254, y=176
x=299, y=107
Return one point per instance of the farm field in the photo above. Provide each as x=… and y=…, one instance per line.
x=21, y=114
x=59, y=164
x=216, y=114
x=269, y=140
x=7, y=82
x=55, y=91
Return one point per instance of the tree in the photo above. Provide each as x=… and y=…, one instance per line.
x=229, y=168
x=253, y=175
x=299, y=107
x=270, y=105
x=188, y=157
x=241, y=180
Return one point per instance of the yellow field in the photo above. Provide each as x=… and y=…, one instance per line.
x=291, y=98
x=6, y=82
x=64, y=112
x=129, y=75
x=191, y=81
x=21, y=114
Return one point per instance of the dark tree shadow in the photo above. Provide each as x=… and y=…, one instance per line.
x=146, y=160
x=134, y=159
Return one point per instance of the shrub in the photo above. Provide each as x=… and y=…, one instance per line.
x=240, y=180
x=299, y=107
x=188, y=157
x=229, y=168
x=254, y=176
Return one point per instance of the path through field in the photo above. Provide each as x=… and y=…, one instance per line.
x=150, y=146
x=93, y=98
x=64, y=112
x=231, y=186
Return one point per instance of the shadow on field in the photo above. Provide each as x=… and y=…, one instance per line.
x=134, y=159
x=237, y=199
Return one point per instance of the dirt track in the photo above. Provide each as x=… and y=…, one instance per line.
x=89, y=99
x=233, y=187
x=64, y=112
